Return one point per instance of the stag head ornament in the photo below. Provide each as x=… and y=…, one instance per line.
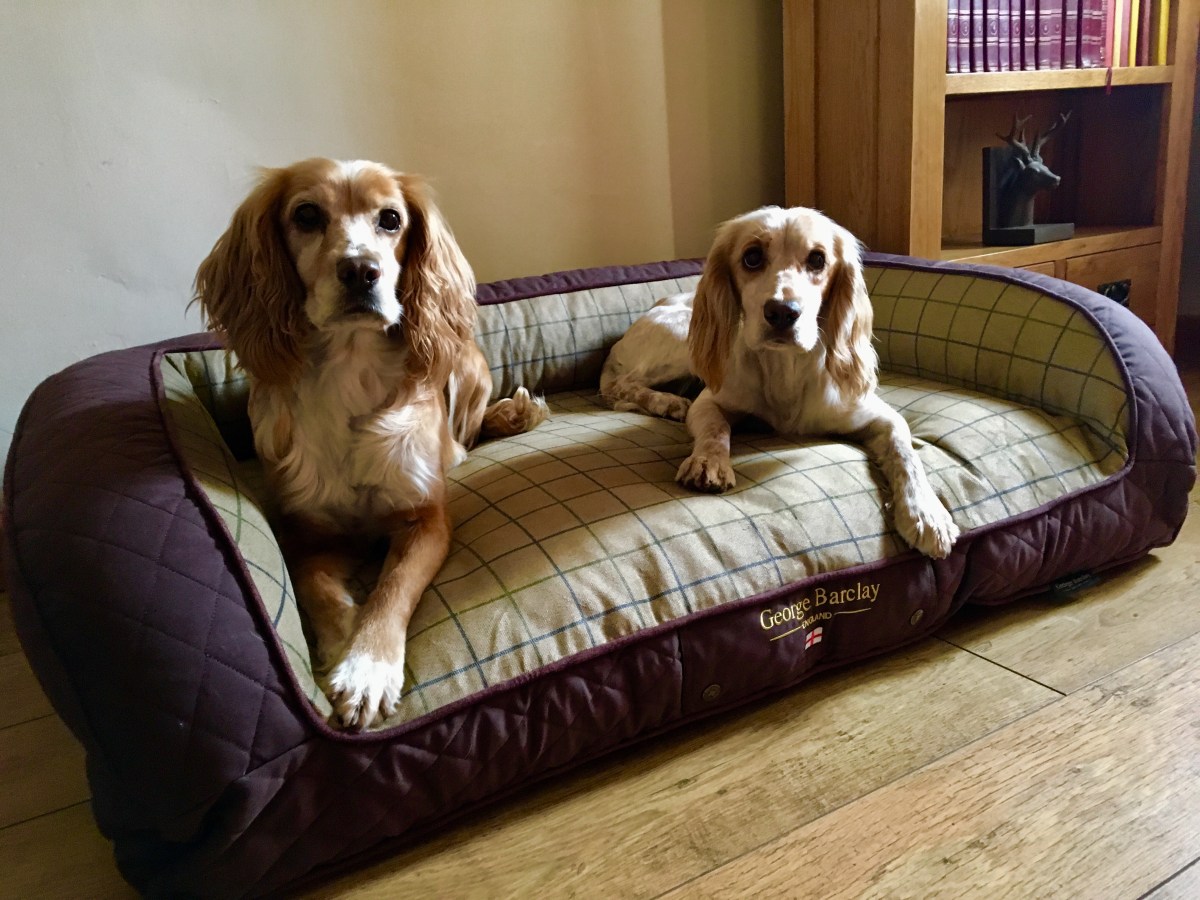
x=1026, y=175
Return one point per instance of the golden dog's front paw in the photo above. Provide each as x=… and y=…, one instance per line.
x=514, y=415
x=710, y=474
x=364, y=691
x=332, y=632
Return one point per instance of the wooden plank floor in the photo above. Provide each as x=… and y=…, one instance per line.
x=1047, y=749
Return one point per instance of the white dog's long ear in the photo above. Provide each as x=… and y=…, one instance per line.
x=248, y=289
x=716, y=312
x=847, y=312
x=437, y=286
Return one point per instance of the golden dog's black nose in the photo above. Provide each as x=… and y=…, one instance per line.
x=358, y=273
x=780, y=314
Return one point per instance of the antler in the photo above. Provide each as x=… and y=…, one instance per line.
x=1016, y=137
x=1045, y=135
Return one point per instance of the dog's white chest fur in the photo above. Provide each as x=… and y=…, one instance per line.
x=784, y=389
x=346, y=449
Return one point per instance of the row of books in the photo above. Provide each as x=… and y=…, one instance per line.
x=1016, y=35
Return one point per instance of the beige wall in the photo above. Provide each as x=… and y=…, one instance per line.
x=558, y=134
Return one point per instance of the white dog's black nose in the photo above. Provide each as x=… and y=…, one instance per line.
x=780, y=314
x=358, y=273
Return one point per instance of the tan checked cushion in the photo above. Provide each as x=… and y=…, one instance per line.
x=199, y=390
x=558, y=342
x=1002, y=339
x=576, y=533
x=988, y=335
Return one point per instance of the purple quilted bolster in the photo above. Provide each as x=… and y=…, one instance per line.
x=211, y=773
x=1119, y=519
x=128, y=605
x=583, y=279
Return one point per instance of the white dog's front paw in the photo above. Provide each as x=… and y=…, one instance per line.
x=927, y=525
x=711, y=474
x=364, y=690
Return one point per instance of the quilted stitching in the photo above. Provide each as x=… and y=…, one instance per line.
x=188, y=381
x=539, y=729
x=326, y=801
x=145, y=576
x=587, y=537
x=1060, y=542
x=200, y=808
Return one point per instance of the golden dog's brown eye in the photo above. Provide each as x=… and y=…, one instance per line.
x=389, y=220
x=754, y=258
x=816, y=260
x=308, y=217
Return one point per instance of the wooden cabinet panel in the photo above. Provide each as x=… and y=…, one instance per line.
x=1137, y=265
x=1042, y=268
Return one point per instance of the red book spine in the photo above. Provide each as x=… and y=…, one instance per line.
x=1108, y=50
x=1029, y=34
x=991, y=38
x=1041, y=40
x=1121, y=54
x=978, y=47
x=1004, y=41
x=1091, y=33
x=964, y=35
x=1144, y=30
x=952, y=36
x=1054, y=38
x=1069, y=51
x=1015, y=31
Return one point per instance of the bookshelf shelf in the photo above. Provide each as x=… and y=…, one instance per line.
x=1088, y=240
x=893, y=151
x=959, y=84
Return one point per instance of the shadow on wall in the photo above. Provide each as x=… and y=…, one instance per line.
x=724, y=86
x=613, y=132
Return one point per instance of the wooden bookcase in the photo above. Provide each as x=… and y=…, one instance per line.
x=881, y=138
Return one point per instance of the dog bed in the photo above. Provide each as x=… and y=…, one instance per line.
x=588, y=601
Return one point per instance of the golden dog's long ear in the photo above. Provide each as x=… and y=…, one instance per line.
x=248, y=289
x=847, y=312
x=716, y=312
x=437, y=286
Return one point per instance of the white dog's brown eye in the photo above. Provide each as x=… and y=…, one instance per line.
x=308, y=217
x=816, y=260
x=753, y=258
x=389, y=220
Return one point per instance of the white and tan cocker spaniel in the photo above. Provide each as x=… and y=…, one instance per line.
x=780, y=329
x=343, y=293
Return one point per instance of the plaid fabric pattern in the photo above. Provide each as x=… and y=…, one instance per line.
x=200, y=390
x=1001, y=339
x=558, y=342
x=576, y=533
